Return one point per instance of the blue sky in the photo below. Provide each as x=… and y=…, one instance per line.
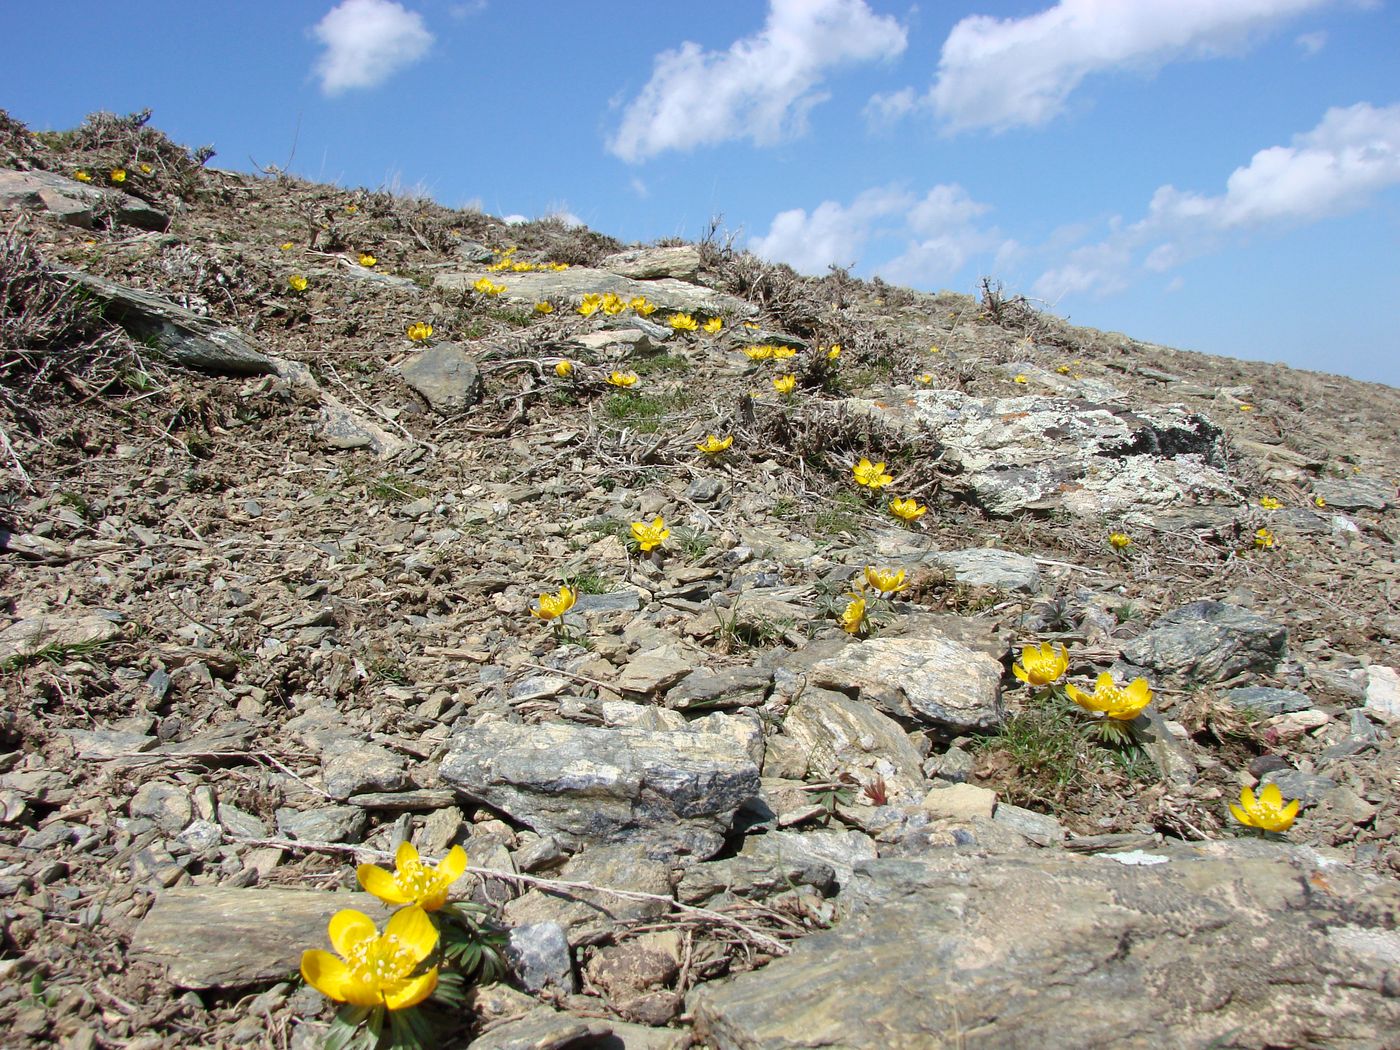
x=1216, y=175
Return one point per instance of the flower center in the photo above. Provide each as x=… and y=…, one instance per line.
x=417, y=880
x=377, y=960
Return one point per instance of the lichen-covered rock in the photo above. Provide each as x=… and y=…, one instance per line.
x=1242, y=942
x=1209, y=641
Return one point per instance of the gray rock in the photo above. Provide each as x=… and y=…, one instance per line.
x=539, y=956
x=1040, y=828
x=101, y=744
x=1236, y=947
x=1168, y=751
x=990, y=567
x=954, y=765
x=355, y=766
x=762, y=869
x=842, y=849
x=169, y=806
x=445, y=376
x=704, y=490
x=545, y=1029
x=222, y=937
x=240, y=824
x=1271, y=701
x=681, y=261
x=1039, y=452
x=931, y=679
x=174, y=333
x=74, y=202
x=836, y=734
x=960, y=802
x=1383, y=692
x=1208, y=641
x=55, y=634
x=649, y=673
x=1307, y=788
x=577, y=281
x=339, y=427
x=1357, y=493
x=733, y=687
x=588, y=915
x=583, y=784
x=323, y=824
x=613, y=601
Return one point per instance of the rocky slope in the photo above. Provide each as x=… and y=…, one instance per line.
x=268, y=574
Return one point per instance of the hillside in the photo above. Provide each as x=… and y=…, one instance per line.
x=272, y=593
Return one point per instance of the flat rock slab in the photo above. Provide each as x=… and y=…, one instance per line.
x=1209, y=641
x=587, y=785
x=990, y=567
x=446, y=377
x=932, y=680
x=681, y=261
x=1359, y=493
x=1038, y=452
x=829, y=733
x=53, y=633
x=225, y=937
x=578, y=281
x=1235, y=945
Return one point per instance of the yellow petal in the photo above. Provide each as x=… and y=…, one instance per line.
x=453, y=865
x=405, y=855
x=327, y=974
x=414, y=930
x=1080, y=697
x=413, y=992
x=1289, y=812
x=375, y=880
x=1020, y=673
x=1240, y=815
x=1271, y=796
x=348, y=928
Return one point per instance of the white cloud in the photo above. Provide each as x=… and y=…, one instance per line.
x=1335, y=168
x=1312, y=43
x=762, y=87
x=1002, y=73
x=886, y=109
x=366, y=42
x=938, y=231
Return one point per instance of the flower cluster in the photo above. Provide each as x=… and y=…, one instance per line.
x=506, y=262
x=486, y=286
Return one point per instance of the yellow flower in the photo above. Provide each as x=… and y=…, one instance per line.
x=412, y=881
x=886, y=581
x=521, y=267
x=761, y=352
x=553, y=606
x=1269, y=503
x=907, y=509
x=366, y=259
x=564, y=369
x=926, y=378
x=713, y=325
x=590, y=304
x=650, y=536
x=1119, y=540
x=713, y=446
x=853, y=617
x=782, y=353
x=497, y=267
x=544, y=308
x=613, y=304
x=1123, y=703
x=1019, y=379
x=420, y=332
x=1318, y=501
x=374, y=970
x=1263, y=539
x=1062, y=369
x=683, y=322
x=785, y=384
x=117, y=175
x=642, y=306
x=286, y=246
x=871, y=475
x=934, y=350
x=1267, y=812
x=556, y=267
x=752, y=325
x=623, y=379
x=146, y=169
x=352, y=208
x=834, y=352
x=82, y=176
x=298, y=282
x=486, y=286
x=1041, y=664
x=1246, y=408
